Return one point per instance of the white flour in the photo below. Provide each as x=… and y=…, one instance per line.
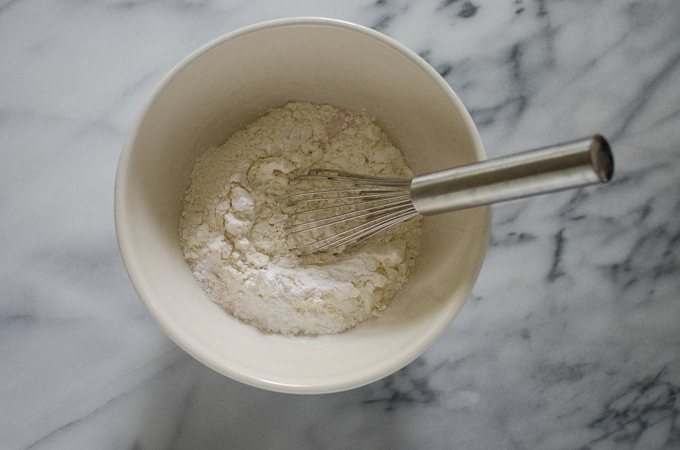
x=232, y=232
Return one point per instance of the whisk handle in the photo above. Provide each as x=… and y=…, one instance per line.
x=549, y=169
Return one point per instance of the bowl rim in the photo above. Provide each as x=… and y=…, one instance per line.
x=129, y=259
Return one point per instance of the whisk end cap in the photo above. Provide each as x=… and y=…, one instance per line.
x=602, y=158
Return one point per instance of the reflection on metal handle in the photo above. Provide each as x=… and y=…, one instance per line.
x=549, y=169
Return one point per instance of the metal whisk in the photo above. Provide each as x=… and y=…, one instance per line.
x=369, y=205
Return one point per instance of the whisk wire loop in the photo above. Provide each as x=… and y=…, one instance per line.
x=349, y=177
x=343, y=217
x=346, y=216
x=357, y=233
x=341, y=194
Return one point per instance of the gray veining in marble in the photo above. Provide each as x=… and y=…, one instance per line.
x=570, y=339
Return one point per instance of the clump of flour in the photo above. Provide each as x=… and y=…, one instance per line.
x=232, y=230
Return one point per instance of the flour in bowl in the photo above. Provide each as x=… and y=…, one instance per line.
x=232, y=230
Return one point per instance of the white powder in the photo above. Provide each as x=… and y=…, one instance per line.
x=232, y=230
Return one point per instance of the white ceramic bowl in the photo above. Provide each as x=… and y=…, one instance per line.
x=229, y=83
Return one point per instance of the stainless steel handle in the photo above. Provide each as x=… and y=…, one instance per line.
x=540, y=171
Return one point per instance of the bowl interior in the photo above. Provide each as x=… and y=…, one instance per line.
x=228, y=84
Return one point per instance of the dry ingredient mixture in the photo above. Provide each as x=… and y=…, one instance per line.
x=232, y=230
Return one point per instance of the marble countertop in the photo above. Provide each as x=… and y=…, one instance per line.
x=570, y=339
